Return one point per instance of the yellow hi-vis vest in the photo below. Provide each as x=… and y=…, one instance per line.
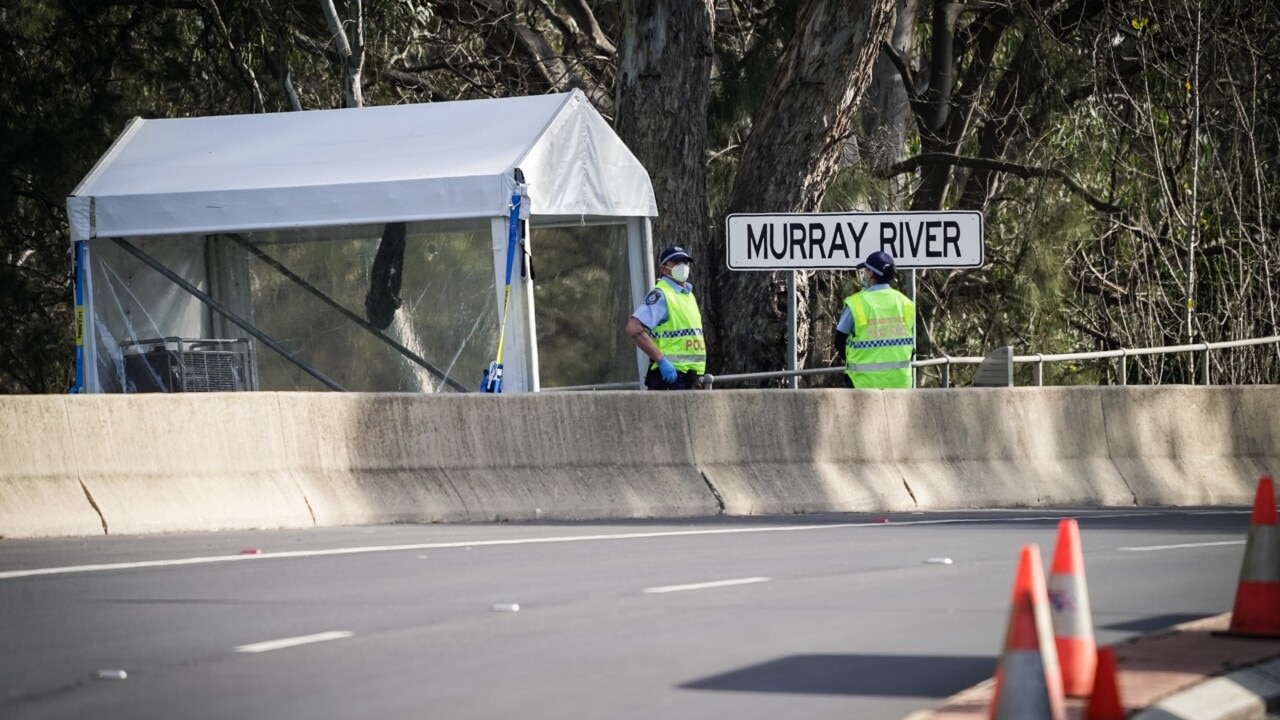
x=878, y=351
x=680, y=337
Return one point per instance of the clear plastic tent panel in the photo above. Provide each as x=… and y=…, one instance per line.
x=153, y=336
x=582, y=298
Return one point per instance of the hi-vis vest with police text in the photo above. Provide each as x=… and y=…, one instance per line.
x=878, y=352
x=680, y=337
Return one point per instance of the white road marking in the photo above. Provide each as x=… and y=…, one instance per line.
x=270, y=645
x=1145, y=548
x=705, y=585
x=71, y=569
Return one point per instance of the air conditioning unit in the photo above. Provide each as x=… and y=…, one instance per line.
x=189, y=365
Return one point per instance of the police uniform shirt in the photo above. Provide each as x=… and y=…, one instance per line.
x=845, y=326
x=653, y=311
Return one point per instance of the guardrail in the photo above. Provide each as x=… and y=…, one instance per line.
x=946, y=361
x=1123, y=353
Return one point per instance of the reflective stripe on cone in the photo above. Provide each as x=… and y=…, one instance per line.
x=1072, y=617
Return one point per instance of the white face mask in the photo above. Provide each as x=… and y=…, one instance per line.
x=680, y=272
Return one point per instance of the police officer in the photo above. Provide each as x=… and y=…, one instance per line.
x=877, y=329
x=667, y=327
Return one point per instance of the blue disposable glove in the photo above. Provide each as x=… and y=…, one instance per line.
x=668, y=370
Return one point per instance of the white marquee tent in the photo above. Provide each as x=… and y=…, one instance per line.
x=247, y=210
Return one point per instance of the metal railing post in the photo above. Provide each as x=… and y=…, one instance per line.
x=1039, y=370
x=1124, y=366
x=1204, y=371
x=946, y=372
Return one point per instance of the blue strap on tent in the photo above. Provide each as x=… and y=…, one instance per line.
x=491, y=381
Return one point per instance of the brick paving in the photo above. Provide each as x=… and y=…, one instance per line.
x=1149, y=668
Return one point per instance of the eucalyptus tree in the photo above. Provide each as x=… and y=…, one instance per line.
x=1190, y=143
x=68, y=82
x=789, y=159
x=653, y=67
x=1121, y=153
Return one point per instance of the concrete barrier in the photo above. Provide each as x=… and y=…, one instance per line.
x=770, y=451
x=1189, y=445
x=1003, y=447
x=156, y=463
x=424, y=458
x=163, y=463
x=40, y=492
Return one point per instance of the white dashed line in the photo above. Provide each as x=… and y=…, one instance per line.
x=1183, y=545
x=705, y=585
x=270, y=645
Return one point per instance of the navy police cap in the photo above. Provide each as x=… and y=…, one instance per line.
x=880, y=263
x=673, y=253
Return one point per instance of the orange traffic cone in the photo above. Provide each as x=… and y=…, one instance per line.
x=1069, y=608
x=1028, y=682
x=1257, y=608
x=1104, y=702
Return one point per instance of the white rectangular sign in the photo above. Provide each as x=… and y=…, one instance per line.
x=839, y=241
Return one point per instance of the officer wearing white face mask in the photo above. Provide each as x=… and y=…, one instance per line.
x=667, y=327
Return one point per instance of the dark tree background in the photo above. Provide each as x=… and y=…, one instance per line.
x=1124, y=152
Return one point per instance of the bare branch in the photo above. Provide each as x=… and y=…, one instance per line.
x=588, y=25
x=246, y=72
x=1023, y=171
x=524, y=48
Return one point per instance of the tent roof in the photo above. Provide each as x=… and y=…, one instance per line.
x=427, y=161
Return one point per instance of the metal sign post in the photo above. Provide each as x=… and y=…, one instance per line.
x=840, y=241
x=793, y=382
x=911, y=294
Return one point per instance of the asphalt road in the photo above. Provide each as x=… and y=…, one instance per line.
x=795, y=617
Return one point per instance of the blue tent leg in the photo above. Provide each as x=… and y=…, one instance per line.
x=78, y=261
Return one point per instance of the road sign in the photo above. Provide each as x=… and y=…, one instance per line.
x=839, y=241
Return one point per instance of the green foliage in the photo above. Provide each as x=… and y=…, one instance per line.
x=57, y=101
x=1166, y=114
x=582, y=295
x=746, y=61
x=1168, y=128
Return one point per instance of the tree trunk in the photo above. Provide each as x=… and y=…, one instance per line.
x=351, y=51
x=663, y=88
x=1006, y=124
x=886, y=114
x=949, y=105
x=937, y=98
x=788, y=162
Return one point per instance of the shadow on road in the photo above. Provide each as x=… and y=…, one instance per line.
x=1155, y=622
x=932, y=676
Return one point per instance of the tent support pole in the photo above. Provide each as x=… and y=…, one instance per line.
x=226, y=313
x=347, y=313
